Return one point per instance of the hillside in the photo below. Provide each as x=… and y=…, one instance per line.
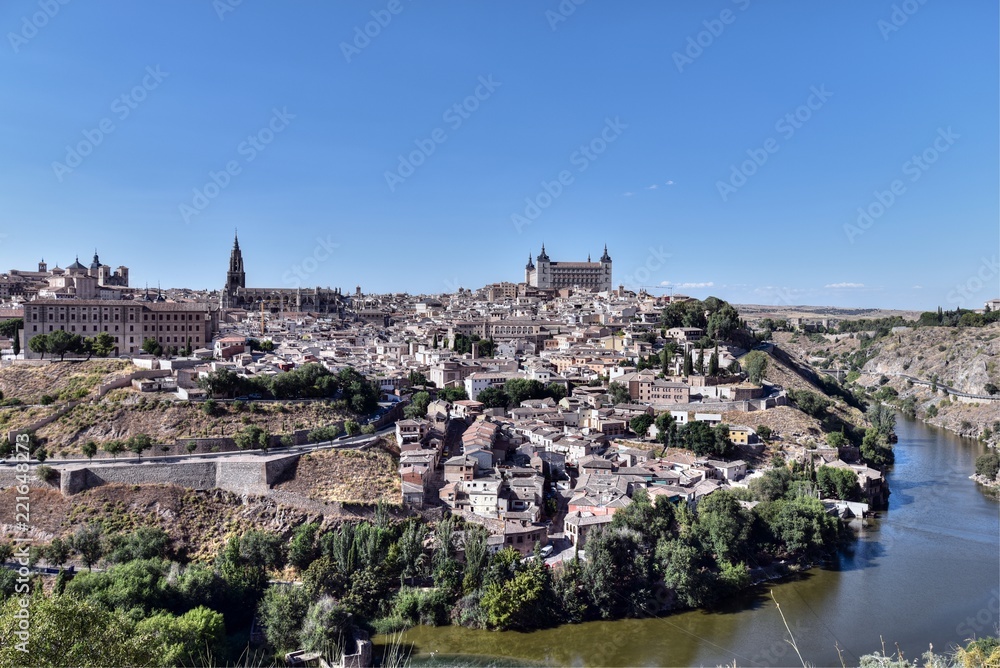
x=964, y=358
x=124, y=413
x=788, y=371
x=346, y=477
x=198, y=522
x=63, y=380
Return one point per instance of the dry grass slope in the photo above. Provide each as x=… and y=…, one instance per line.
x=63, y=380
x=346, y=476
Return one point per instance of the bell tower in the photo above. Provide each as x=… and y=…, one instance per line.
x=235, y=278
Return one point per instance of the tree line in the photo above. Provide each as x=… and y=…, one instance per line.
x=309, y=381
x=381, y=575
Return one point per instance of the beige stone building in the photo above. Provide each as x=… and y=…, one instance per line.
x=549, y=275
x=128, y=322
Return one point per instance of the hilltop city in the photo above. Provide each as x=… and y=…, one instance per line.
x=539, y=418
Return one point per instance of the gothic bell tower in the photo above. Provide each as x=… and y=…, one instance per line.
x=235, y=278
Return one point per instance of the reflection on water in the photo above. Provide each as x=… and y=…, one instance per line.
x=926, y=571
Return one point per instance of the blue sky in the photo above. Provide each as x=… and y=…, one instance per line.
x=343, y=159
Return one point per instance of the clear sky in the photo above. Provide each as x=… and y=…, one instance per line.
x=726, y=147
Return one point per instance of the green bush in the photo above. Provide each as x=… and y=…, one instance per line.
x=988, y=465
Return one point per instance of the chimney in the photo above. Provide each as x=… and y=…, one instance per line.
x=475, y=350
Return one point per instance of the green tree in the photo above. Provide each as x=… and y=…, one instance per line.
x=144, y=543
x=66, y=631
x=303, y=549
x=57, y=552
x=522, y=602
x=452, y=394
x=617, y=573
x=252, y=437
x=151, y=347
x=705, y=440
x=87, y=541
x=493, y=397
x=282, y=612
x=723, y=525
x=418, y=406
x=988, y=465
x=882, y=418
x=836, y=439
x=113, y=448
x=772, y=485
x=556, y=391
x=810, y=403
x=351, y=427
x=618, y=393
x=713, y=363
x=9, y=327
x=16, y=344
x=800, y=523
x=723, y=323
x=875, y=449
x=89, y=449
x=522, y=389
x=139, y=443
x=640, y=424
x=838, y=483
x=755, y=364
x=103, y=344
x=688, y=364
x=764, y=432
x=190, y=639
x=680, y=565
x=326, y=627
x=39, y=344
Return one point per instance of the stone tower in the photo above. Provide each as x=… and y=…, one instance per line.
x=236, y=278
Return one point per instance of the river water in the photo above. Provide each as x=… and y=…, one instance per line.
x=927, y=571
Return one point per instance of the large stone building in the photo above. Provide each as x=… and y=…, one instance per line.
x=548, y=275
x=129, y=322
x=236, y=295
x=77, y=281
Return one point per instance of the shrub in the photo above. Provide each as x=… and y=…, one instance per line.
x=46, y=473
x=988, y=465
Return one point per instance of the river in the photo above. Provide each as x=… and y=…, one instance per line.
x=927, y=571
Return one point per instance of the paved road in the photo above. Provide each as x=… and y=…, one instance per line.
x=949, y=390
